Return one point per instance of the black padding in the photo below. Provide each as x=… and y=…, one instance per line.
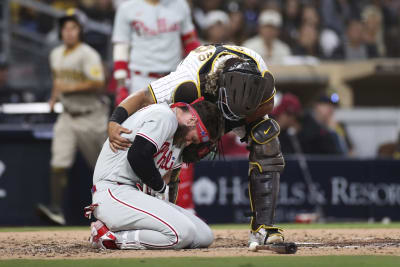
x=265, y=131
x=186, y=92
x=119, y=115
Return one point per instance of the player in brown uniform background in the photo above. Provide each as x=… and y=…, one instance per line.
x=78, y=79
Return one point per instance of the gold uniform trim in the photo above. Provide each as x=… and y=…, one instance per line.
x=212, y=67
x=268, y=99
x=202, y=49
x=253, y=165
x=152, y=94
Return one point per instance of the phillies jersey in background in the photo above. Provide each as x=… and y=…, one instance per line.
x=154, y=33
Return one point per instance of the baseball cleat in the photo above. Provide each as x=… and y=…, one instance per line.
x=55, y=216
x=101, y=237
x=268, y=235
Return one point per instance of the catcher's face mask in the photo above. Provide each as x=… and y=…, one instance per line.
x=223, y=105
x=202, y=132
x=241, y=89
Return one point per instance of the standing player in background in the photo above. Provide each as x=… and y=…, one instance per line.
x=238, y=81
x=150, y=38
x=78, y=79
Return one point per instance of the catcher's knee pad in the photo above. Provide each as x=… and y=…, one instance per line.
x=265, y=150
x=266, y=163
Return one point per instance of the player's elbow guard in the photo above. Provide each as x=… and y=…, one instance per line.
x=120, y=55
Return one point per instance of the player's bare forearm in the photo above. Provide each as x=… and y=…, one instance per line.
x=131, y=104
x=262, y=110
x=137, y=100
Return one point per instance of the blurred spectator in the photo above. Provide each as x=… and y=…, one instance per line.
x=329, y=41
x=200, y=8
x=250, y=12
x=101, y=11
x=354, y=46
x=266, y=43
x=238, y=34
x=391, y=20
x=318, y=135
x=308, y=42
x=310, y=16
x=335, y=13
x=288, y=115
x=217, y=28
x=149, y=39
x=271, y=4
x=373, y=29
x=291, y=21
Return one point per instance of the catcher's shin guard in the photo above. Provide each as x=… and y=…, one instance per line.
x=266, y=163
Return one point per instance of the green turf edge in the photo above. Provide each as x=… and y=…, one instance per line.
x=359, y=225
x=270, y=261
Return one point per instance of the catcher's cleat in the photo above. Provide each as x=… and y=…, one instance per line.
x=53, y=215
x=101, y=237
x=266, y=235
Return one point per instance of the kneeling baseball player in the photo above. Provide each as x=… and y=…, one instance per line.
x=130, y=186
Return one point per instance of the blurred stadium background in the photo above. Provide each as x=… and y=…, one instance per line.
x=350, y=169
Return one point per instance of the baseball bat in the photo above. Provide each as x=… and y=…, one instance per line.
x=281, y=248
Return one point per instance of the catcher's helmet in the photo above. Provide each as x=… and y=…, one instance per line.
x=70, y=15
x=241, y=89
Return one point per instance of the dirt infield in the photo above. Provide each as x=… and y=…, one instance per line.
x=74, y=244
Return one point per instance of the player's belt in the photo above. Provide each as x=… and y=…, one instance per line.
x=156, y=75
x=77, y=113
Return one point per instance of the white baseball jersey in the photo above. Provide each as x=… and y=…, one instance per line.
x=189, y=69
x=158, y=124
x=153, y=32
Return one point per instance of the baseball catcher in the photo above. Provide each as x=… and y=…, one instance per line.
x=238, y=81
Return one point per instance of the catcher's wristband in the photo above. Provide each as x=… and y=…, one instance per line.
x=119, y=115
